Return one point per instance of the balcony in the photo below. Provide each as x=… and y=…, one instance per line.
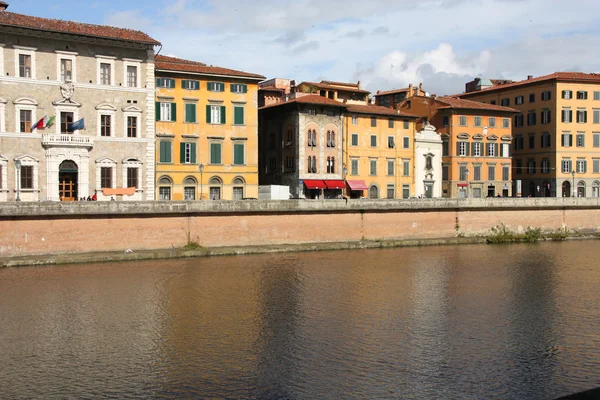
x=67, y=140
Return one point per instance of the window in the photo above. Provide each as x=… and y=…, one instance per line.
x=216, y=86
x=26, y=175
x=405, y=124
x=354, y=167
x=518, y=120
x=567, y=94
x=373, y=121
x=596, y=95
x=491, y=149
x=445, y=173
x=189, y=192
x=390, y=167
x=312, y=138
x=25, y=117
x=580, y=140
x=166, y=111
x=106, y=177
x=519, y=142
x=506, y=122
x=391, y=143
x=311, y=111
x=505, y=150
x=567, y=139
x=215, y=153
x=566, y=166
x=25, y=66
x=331, y=165
x=532, y=98
x=215, y=114
x=330, y=139
x=445, y=120
x=462, y=120
x=596, y=139
x=165, y=152
x=238, y=115
x=105, y=125
x=312, y=164
x=597, y=116
x=238, y=154
x=518, y=167
x=492, y=122
x=567, y=115
x=596, y=165
x=581, y=166
x=582, y=95
x=493, y=102
x=132, y=76
x=405, y=167
x=373, y=140
x=190, y=84
x=238, y=189
x=581, y=116
x=354, y=139
x=463, y=172
x=238, y=88
x=547, y=95
x=390, y=123
x=476, y=172
x=546, y=138
x=66, y=69
x=546, y=119
x=132, y=177
x=445, y=147
x=105, y=73
x=390, y=191
x=372, y=167
x=491, y=172
x=354, y=120
x=66, y=119
x=531, y=167
x=531, y=118
x=531, y=140
x=132, y=126
x=505, y=173
x=187, y=153
x=477, y=149
x=406, y=142
x=519, y=100
x=190, y=113
x=165, y=83
x=545, y=166
x=462, y=148
x=505, y=102
x=405, y=191
x=477, y=121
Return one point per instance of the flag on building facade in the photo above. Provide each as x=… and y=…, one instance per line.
x=40, y=124
x=76, y=126
x=50, y=121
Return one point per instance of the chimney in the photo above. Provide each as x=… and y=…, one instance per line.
x=421, y=87
x=3, y=5
x=433, y=96
x=410, y=89
x=529, y=77
x=358, y=84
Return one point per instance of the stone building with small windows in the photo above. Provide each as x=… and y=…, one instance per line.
x=76, y=110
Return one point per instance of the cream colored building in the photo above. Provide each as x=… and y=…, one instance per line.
x=100, y=76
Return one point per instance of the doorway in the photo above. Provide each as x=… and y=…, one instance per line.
x=67, y=180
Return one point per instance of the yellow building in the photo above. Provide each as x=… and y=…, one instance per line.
x=556, y=133
x=206, y=131
x=379, y=152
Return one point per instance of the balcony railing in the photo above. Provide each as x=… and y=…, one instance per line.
x=67, y=140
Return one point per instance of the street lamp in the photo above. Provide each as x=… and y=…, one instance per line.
x=18, y=165
x=344, y=173
x=467, y=177
x=201, y=182
x=574, y=189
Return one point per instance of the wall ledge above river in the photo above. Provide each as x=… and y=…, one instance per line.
x=25, y=209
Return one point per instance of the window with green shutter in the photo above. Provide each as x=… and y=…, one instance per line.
x=238, y=88
x=190, y=85
x=238, y=154
x=165, y=83
x=223, y=116
x=216, y=86
x=215, y=153
x=190, y=113
x=238, y=115
x=187, y=153
x=173, y=112
x=165, y=152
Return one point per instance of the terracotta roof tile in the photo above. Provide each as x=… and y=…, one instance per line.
x=309, y=99
x=393, y=91
x=349, y=84
x=453, y=102
x=74, y=28
x=271, y=88
x=560, y=76
x=165, y=63
x=377, y=110
x=322, y=85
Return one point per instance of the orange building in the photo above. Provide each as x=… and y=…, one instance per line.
x=476, y=144
x=391, y=98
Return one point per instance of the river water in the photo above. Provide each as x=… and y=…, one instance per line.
x=465, y=322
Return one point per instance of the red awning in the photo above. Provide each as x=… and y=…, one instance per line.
x=314, y=184
x=357, y=185
x=462, y=184
x=334, y=184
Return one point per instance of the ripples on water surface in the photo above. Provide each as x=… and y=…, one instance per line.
x=467, y=322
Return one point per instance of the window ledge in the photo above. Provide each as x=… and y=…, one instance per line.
x=190, y=136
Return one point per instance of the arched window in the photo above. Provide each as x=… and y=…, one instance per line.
x=333, y=165
x=596, y=189
x=189, y=188
x=328, y=165
x=581, y=189
x=332, y=139
x=314, y=164
x=215, y=183
x=238, y=188
x=164, y=188
x=373, y=192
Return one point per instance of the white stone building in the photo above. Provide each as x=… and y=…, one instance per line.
x=72, y=72
x=428, y=163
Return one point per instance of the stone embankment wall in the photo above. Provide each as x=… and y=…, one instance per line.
x=80, y=227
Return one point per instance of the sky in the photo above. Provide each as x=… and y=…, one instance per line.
x=384, y=44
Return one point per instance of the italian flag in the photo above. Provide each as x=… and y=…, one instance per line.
x=40, y=124
x=49, y=121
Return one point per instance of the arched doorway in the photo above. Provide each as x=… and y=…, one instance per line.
x=532, y=192
x=566, y=189
x=373, y=192
x=215, y=184
x=546, y=189
x=68, y=173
